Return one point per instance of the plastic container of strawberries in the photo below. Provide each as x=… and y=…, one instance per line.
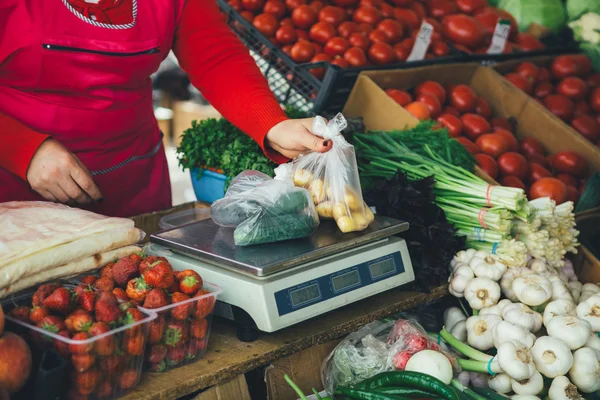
x=101, y=367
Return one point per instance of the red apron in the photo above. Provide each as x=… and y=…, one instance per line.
x=88, y=85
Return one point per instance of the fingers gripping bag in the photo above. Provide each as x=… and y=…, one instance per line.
x=265, y=210
x=332, y=178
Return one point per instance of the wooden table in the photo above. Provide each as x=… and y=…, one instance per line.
x=228, y=358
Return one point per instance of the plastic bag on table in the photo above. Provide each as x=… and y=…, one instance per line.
x=332, y=178
x=265, y=210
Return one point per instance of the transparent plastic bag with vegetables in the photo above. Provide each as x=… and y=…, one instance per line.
x=332, y=178
x=265, y=210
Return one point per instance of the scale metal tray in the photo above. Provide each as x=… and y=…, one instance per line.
x=207, y=241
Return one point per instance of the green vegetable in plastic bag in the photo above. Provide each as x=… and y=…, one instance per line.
x=548, y=13
x=576, y=8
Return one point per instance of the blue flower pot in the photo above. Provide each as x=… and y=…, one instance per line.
x=210, y=186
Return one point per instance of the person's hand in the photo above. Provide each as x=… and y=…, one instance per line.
x=58, y=175
x=293, y=137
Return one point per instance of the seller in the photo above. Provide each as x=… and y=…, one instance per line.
x=76, y=118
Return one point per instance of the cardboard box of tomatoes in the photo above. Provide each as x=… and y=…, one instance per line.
x=513, y=138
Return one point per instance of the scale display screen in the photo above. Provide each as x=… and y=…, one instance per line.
x=345, y=280
x=382, y=268
x=305, y=295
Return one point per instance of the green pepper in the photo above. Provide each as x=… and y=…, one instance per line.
x=489, y=394
x=411, y=379
x=410, y=392
x=358, y=394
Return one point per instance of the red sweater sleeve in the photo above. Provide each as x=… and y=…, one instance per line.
x=19, y=144
x=220, y=66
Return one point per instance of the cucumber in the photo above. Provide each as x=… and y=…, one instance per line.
x=268, y=228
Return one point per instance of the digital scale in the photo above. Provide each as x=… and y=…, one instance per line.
x=272, y=286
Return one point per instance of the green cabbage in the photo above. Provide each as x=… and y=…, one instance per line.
x=548, y=13
x=576, y=8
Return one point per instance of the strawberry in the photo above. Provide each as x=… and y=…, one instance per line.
x=82, y=321
x=73, y=394
x=137, y=289
x=132, y=315
x=128, y=379
x=159, y=275
x=189, y=281
x=159, y=366
x=61, y=347
x=106, y=271
x=81, y=348
x=82, y=362
x=109, y=364
x=137, y=257
x=42, y=292
x=134, y=344
x=88, y=280
x=107, y=308
x=20, y=313
x=52, y=324
x=175, y=355
x=120, y=294
x=156, y=330
x=204, y=306
x=174, y=287
x=157, y=353
x=148, y=261
x=104, y=390
x=79, y=289
x=38, y=313
x=87, y=300
x=104, y=284
x=105, y=346
x=183, y=311
x=156, y=298
x=176, y=333
x=198, y=328
x=60, y=301
x=125, y=269
x=195, y=348
x=85, y=382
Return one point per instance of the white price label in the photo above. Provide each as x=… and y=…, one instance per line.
x=422, y=42
x=500, y=37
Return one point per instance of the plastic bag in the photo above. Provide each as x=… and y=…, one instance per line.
x=265, y=210
x=332, y=178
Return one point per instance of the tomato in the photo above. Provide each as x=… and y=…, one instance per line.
x=408, y=18
x=304, y=16
x=572, y=194
x=317, y=5
x=573, y=87
x=471, y=6
x=440, y=49
x=355, y=57
x=402, y=52
x=392, y=29
x=341, y=62
x=365, y=28
x=293, y=4
x=287, y=49
x=236, y=5
x=528, y=70
x=595, y=100
x=432, y=102
x=302, y=51
x=367, y=15
x=401, y=97
x=530, y=146
x=253, y=5
x=536, y=171
x=549, y=187
x=387, y=11
x=419, y=110
x=332, y=15
x=528, y=42
x=463, y=98
x=509, y=138
x=482, y=107
x=302, y=34
x=452, y=123
x=441, y=8
x=344, y=3
x=377, y=36
x=463, y=29
x=570, y=65
x=419, y=9
x=336, y=46
x=266, y=24
x=491, y=143
x=370, y=3
x=381, y=53
x=275, y=7
x=520, y=82
x=501, y=14
x=347, y=28
x=475, y=125
x=487, y=164
x=543, y=89
x=321, y=32
x=593, y=80
x=560, y=105
x=582, y=108
x=587, y=126
x=513, y=164
x=569, y=162
x=359, y=40
x=286, y=35
x=433, y=88
x=320, y=57
x=512, y=181
x=567, y=179
x=401, y=3
x=470, y=146
x=287, y=22
x=544, y=75
x=502, y=123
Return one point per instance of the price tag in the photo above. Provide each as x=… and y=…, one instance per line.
x=500, y=37
x=422, y=43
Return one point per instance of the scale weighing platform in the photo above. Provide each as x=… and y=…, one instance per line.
x=272, y=286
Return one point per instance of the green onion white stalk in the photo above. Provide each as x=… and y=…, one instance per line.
x=511, y=252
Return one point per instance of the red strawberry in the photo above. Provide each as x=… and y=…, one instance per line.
x=106, y=271
x=60, y=301
x=128, y=379
x=156, y=298
x=87, y=300
x=137, y=257
x=73, y=394
x=79, y=289
x=20, y=313
x=88, y=280
x=42, y=292
x=159, y=275
x=104, y=284
x=175, y=355
x=107, y=308
x=132, y=315
x=183, y=311
x=105, y=346
x=109, y=364
x=134, y=344
x=189, y=281
x=156, y=330
x=104, y=390
x=174, y=287
x=85, y=382
x=81, y=348
x=150, y=260
x=124, y=270
x=82, y=321
x=176, y=333
x=38, y=313
x=158, y=367
x=120, y=294
x=82, y=362
x=195, y=348
x=52, y=324
x=137, y=289
x=62, y=347
x=157, y=353
x=198, y=328
x=204, y=306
